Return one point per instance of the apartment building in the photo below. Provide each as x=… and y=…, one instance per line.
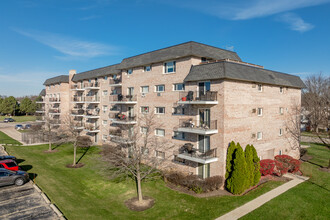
x=204, y=97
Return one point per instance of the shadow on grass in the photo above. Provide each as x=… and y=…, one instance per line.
x=318, y=185
x=19, y=161
x=26, y=167
x=33, y=176
x=85, y=152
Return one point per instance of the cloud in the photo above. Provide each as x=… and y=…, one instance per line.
x=70, y=47
x=295, y=22
x=231, y=48
x=243, y=10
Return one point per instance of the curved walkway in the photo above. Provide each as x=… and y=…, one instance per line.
x=256, y=203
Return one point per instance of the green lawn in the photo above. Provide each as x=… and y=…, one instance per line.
x=20, y=118
x=5, y=139
x=309, y=200
x=86, y=193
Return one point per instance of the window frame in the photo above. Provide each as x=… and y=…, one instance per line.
x=157, y=152
x=261, y=112
x=129, y=71
x=105, y=92
x=144, y=87
x=157, y=112
x=261, y=87
x=145, y=68
x=157, y=86
x=144, y=112
x=142, y=130
x=177, y=90
x=259, y=138
x=165, y=66
x=159, y=129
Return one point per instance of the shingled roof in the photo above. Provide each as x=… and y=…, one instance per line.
x=43, y=92
x=237, y=71
x=190, y=48
x=112, y=69
x=57, y=79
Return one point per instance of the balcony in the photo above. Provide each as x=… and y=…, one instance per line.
x=41, y=101
x=187, y=152
x=115, y=82
x=77, y=112
x=121, y=99
x=198, y=98
x=79, y=126
x=54, y=111
x=120, y=118
x=198, y=127
x=55, y=122
x=78, y=99
x=90, y=128
x=92, y=86
x=77, y=87
x=55, y=100
x=92, y=114
x=117, y=137
x=92, y=99
x=41, y=110
x=40, y=119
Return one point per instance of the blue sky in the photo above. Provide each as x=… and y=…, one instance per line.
x=40, y=39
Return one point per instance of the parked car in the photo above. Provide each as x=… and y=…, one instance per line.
x=19, y=127
x=6, y=157
x=8, y=177
x=27, y=126
x=6, y=120
x=9, y=165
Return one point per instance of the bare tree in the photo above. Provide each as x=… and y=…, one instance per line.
x=73, y=134
x=139, y=155
x=292, y=125
x=316, y=102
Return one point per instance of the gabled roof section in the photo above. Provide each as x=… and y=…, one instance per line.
x=190, y=48
x=43, y=92
x=243, y=72
x=112, y=69
x=57, y=79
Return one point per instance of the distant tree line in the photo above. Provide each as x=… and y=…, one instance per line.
x=18, y=106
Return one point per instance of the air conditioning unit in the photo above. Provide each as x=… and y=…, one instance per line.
x=253, y=135
x=143, y=95
x=254, y=110
x=159, y=94
x=254, y=85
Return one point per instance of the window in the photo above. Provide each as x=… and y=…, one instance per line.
x=145, y=150
x=281, y=89
x=144, y=109
x=104, y=122
x=281, y=110
x=144, y=130
x=281, y=132
x=105, y=92
x=105, y=108
x=104, y=137
x=129, y=71
x=147, y=68
x=160, y=88
x=179, y=87
x=259, y=111
x=160, y=154
x=160, y=110
x=160, y=132
x=11, y=164
x=169, y=67
x=144, y=89
x=259, y=87
x=106, y=77
x=179, y=135
x=259, y=135
x=280, y=152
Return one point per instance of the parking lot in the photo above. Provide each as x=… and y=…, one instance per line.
x=24, y=202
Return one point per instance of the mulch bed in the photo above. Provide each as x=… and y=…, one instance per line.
x=79, y=165
x=133, y=203
x=50, y=152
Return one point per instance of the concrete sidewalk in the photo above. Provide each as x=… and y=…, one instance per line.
x=13, y=133
x=256, y=203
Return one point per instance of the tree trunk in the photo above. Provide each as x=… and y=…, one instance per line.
x=49, y=145
x=138, y=181
x=74, y=154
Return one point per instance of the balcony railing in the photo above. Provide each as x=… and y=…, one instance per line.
x=55, y=122
x=54, y=111
x=122, y=98
x=77, y=87
x=54, y=100
x=122, y=118
x=92, y=85
x=116, y=81
x=92, y=98
x=198, y=97
x=92, y=128
x=77, y=112
x=92, y=113
x=40, y=101
x=189, y=153
x=78, y=99
x=198, y=127
x=40, y=110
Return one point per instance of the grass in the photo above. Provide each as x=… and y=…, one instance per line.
x=5, y=139
x=86, y=193
x=312, y=134
x=22, y=118
x=308, y=200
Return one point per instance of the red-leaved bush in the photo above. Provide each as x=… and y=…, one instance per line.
x=292, y=165
x=267, y=167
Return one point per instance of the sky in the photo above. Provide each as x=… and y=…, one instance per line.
x=40, y=39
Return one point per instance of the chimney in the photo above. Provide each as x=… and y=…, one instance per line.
x=71, y=74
